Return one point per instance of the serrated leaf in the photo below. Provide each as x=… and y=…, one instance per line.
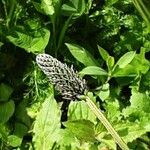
x=80, y=110
x=139, y=101
x=82, y=129
x=93, y=70
x=67, y=138
x=82, y=55
x=125, y=59
x=5, y=92
x=47, y=125
x=32, y=41
x=130, y=131
x=6, y=111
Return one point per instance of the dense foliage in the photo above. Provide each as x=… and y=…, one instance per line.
x=108, y=42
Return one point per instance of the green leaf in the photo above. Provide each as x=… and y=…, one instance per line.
x=67, y=138
x=93, y=70
x=82, y=55
x=125, y=60
x=47, y=7
x=103, y=53
x=128, y=71
x=14, y=141
x=6, y=110
x=20, y=129
x=21, y=113
x=80, y=110
x=5, y=92
x=110, y=62
x=32, y=41
x=139, y=101
x=82, y=129
x=140, y=63
x=47, y=125
x=130, y=131
x=75, y=7
x=104, y=92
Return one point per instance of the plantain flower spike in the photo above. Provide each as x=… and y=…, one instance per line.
x=65, y=79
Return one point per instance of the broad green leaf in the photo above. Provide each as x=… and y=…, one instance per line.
x=75, y=7
x=93, y=70
x=79, y=110
x=82, y=55
x=14, y=141
x=5, y=92
x=125, y=60
x=21, y=113
x=47, y=125
x=128, y=71
x=47, y=7
x=32, y=41
x=6, y=111
x=67, y=138
x=82, y=129
x=104, y=92
x=130, y=131
x=103, y=53
x=140, y=63
x=139, y=101
x=20, y=129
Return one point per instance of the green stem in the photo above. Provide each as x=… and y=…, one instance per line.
x=106, y=123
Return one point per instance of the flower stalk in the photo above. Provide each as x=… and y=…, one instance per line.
x=72, y=87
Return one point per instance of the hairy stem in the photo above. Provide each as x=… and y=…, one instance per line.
x=106, y=123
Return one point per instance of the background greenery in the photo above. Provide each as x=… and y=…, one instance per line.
x=107, y=41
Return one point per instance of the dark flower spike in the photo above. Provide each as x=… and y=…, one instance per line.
x=72, y=87
x=65, y=79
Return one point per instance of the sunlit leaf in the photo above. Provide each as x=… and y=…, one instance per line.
x=14, y=141
x=47, y=125
x=125, y=59
x=82, y=129
x=93, y=70
x=32, y=41
x=75, y=7
x=80, y=110
x=82, y=55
